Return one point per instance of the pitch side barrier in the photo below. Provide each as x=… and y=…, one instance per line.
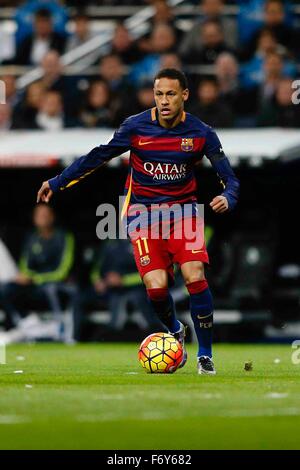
x=44, y=149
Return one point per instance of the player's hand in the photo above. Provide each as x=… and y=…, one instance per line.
x=45, y=193
x=219, y=204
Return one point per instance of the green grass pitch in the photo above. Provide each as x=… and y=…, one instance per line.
x=98, y=397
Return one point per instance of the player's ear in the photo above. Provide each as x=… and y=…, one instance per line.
x=186, y=94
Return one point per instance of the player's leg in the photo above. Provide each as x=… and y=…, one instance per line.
x=156, y=283
x=155, y=266
x=201, y=304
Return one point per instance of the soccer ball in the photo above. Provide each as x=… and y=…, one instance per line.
x=160, y=353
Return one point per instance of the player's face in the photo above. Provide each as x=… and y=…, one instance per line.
x=169, y=98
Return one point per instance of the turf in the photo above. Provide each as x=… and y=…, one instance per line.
x=98, y=397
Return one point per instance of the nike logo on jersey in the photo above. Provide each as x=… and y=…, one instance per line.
x=147, y=142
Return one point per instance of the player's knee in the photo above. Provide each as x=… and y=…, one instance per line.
x=157, y=280
x=195, y=276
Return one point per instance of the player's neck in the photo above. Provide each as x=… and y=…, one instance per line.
x=169, y=124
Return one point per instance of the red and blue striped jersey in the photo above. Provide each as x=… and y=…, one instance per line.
x=162, y=161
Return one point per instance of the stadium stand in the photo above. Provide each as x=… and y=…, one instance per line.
x=73, y=70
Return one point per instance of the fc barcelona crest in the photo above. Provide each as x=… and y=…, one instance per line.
x=187, y=145
x=145, y=260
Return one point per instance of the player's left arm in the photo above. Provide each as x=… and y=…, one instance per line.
x=220, y=163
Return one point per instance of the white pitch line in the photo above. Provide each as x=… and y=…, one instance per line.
x=13, y=419
x=276, y=395
x=261, y=413
x=111, y=397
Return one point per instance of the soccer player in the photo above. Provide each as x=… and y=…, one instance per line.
x=165, y=144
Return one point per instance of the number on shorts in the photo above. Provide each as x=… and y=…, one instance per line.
x=145, y=246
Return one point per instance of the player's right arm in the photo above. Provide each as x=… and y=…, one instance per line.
x=87, y=164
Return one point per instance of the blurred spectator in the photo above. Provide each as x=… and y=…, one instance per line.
x=112, y=70
x=25, y=17
x=114, y=278
x=209, y=107
x=25, y=113
x=11, y=94
x=252, y=73
x=81, y=3
x=81, y=34
x=45, y=267
x=249, y=18
x=163, y=14
x=51, y=115
x=124, y=46
x=280, y=111
x=7, y=49
x=97, y=111
x=8, y=273
x=273, y=73
x=143, y=100
x=5, y=117
x=210, y=10
x=54, y=79
x=212, y=44
x=275, y=20
x=53, y=72
x=163, y=41
x=170, y=60
x=242, y=101
x=33, y=48
x=227, y=73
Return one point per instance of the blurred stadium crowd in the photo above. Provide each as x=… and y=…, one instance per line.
x=45, y=280
x=240, y=57
x=240, y=66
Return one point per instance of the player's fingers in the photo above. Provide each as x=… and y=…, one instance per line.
x=218, y=205
x=216, y=200
x=48, y=195
x=220, y=210
x=44, y=194
x=223, y=209
x=213, y=202
x=39, y=196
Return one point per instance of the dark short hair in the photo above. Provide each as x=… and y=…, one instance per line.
x=173, y=74
x=43, y=13
x=208, y=81
x=81, y=15
x=279, y=2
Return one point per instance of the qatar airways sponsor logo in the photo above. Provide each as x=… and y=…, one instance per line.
x=166, y=171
